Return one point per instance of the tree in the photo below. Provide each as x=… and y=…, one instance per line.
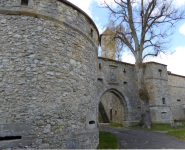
x=150, y=24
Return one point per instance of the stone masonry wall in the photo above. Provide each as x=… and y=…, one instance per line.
x=112, y=102
x=177, y=92
x=156, y=78
x=48, y=75
x=108, y=46
x=120, y=77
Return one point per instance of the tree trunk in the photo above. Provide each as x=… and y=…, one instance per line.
x=143, y=96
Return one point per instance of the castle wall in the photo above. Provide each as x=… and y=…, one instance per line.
x=113, y=107
x=177, y=92
x=156, y=78
x=48, y=76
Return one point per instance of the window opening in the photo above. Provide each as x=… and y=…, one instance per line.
x=115, y=112
x=124, y=71
x=6, y=138
x=160, y=71
x=24, y=2
x=163, y=112
x=100, y=80
x=100, y=66
x=163, y=99
x=91, y=122
x=178, y=100
x=91, y=32
x=125, y=83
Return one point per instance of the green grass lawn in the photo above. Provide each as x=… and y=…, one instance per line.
x=115, y=124
x=159, y=127
x=107, y=141
x=180, y=134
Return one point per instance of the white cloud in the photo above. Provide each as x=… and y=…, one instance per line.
x=179, y=3
x=182, y=29
x=174, y=61
x=128, y=57
x=83, y=4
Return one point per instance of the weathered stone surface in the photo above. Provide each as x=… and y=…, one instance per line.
x=177, y=92
x=113, y=107
x=48, y=65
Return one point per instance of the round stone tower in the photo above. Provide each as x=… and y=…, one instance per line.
x=48, y=55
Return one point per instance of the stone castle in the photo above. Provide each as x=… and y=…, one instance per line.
x=52, y=80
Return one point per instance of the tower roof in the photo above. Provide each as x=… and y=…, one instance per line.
x=107, y=32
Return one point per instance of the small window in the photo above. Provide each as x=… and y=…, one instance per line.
x=100, y=80
x=91, y=32
x=92, y=122
x=100, y=66
x=7, y=138
x=115, y=112
x=163, y=100
x=124, y=83
x=178, y=100
x=24, y=2
x=124, y=71
x=163, y=112
x=160, y=71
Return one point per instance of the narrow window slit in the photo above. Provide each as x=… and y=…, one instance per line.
x=7, y=138
x=163, y=112
x=100, y=66
x=91, y=32
x=163, y=100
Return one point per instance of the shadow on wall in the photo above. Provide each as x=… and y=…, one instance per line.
x=103, y=118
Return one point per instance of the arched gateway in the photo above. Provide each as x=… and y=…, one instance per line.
x=112, y=79
x=114, y=106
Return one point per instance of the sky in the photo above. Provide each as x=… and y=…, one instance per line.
x=174, y=58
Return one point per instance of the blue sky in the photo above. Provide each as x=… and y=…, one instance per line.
x=175, y=61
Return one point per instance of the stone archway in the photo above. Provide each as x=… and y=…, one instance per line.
x=115, y=105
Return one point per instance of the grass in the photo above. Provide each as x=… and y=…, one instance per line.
x=159, y=127
x=115, y=124
x=107, y=141
x=180, y=134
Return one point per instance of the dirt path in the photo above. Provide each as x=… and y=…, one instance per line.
x=142, y=139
